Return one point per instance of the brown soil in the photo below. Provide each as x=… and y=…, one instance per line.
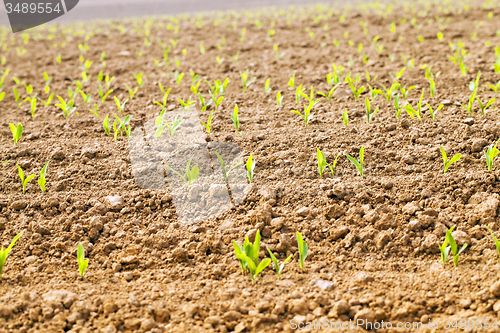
x=372, y=240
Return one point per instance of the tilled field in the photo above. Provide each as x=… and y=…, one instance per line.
x=373, y=240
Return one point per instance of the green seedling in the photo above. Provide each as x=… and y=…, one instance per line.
x=67, y=108
x=345, y=118
x=322, y=164
x=291, y=82
x=5, y=253
x=104, y=95
x=463, y=68
x=307, y=116
x=176, y=123
x=204, y=106
x=41, y=179
x=445, y=159
x=418, y=112
x=217, y=100
x=86, y=97
x=267, y=87
x=355, y=91
x=490, y=155
x=223, y=165
x=369, y=114
x=194, y=77
x=432, y=112
x=497, y=244
x=178, y=77
x=105, y=125
x=95, y=111
x=299, y=92
x=445, y=248
x=249, y=257
x=454, y=247
x=250, y=168
x=277, y=267
x=119, y=105
x=33, y=107
x=186, y=105
x=309, y=98
x=373, y=92
x=17, y=98
x=190, y=175
x=484, y=107
x=405, y=91
x=303, y=249
x=194, y=88
x=330, y=93
x=244, y=79
x=49, y=100
x=234, y=118
x=108, y=81
x=358, y=165
x=208, y=124
x=82, y=262
x=120, y=125
x=17, y=132
x=279, y=98
x=494, y=87
x=388, y=93
x=398, y=75
x=396, y=106
x=138, y=78
x=469, y=105
x=24, y=181
x=432, y=87
x=2, y=96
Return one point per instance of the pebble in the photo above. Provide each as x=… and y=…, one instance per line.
x=322, y=284
x=114, y=202
x=367, y=316
x=478, y=144
x=469, y=121
x=461, y=238
x=495, y=289
x=19, y=204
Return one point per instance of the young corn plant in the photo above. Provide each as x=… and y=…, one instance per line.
x=277, y=267
x=445, y=248
x=105, y=125
x=463, y=68
x=388, y=93
x=186, y=105
x=279, y=98
x=398, y=75
x=358, y=165
x=41, y=179
x=138, y=78
x=303, y=249
x=104, y=95
x=208, y=124
x=5, y=253
x=17, y=132
x=307, y=116
x=33, y=107
x=244, y=79
x=119, y=105
x=369, y=114
x=121, y=125
x=234, y=118
x=82, y=262
x=95, y=111
x=217, y=100
x=432, y=112
x=49, y=100
x=483, y=106
x=418, y=112
x=223, y=165
x=345, y=118
x=322, y=163
x=432, y=87
x=404, y=91
x=190, y=175
x=67, y=108
x=470, y=104
x=330, y=93
x=178, y=77
x=497, y=243
x=397, y=107
x=445, y=159
x=494, y=87
x=291, y=82
x=17, y=98
x=204, y=106
x=176, y=123
x=454, y=247
x=86, y=97
x=299, y=92
x=250, y=168
x=490, y=155
x=355, y=91
x=248, y=256
x=267, y=87
x=24, y=181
